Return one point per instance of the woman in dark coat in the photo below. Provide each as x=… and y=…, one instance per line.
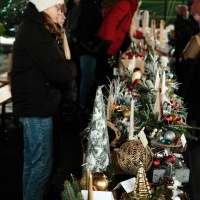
x=188, y=69
x=39, y=71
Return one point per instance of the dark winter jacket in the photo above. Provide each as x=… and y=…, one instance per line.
x=39, y=68
x=184, y=30
x=188, y=71
x=83, y=22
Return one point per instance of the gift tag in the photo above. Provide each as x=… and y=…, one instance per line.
x=143, y=137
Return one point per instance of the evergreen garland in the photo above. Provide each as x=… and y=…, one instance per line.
x=2, y=29
x=72, y=190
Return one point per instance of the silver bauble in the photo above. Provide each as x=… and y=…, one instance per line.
x=169, y=135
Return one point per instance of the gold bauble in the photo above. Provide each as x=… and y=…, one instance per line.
x=168, y=80
x=100, y=182
x=126, y=113
x=83, y=182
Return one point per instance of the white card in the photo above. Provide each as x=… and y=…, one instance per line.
x=128, y=185
x=165, y=99
x=131, y=65
x=98, y=195
x=157, y=81
x=143, y=137
x=183, y=140
x=163, y=88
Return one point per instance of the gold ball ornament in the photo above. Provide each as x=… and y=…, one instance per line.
x=168, y=80
x=83, y=183
x=126, y=112
x=100, y=182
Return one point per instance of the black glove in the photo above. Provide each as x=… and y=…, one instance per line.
x=105, y=46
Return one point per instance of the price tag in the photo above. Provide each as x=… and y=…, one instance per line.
x=183, y=140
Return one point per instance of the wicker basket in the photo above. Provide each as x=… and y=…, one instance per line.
x=117, y=133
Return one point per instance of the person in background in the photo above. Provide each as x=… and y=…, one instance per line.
x=188, y=69
x=83, y=21
x=189, y=3
x=72, y=15
x=39, y=71
x=70, y=94
x=65, y=132
x=181, y=18
x=114, y=31
x=61, y=22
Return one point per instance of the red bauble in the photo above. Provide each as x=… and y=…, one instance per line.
x=141, y=54
x=130, y=55
x=138, y=34
x=168, y=118
x=176, y=106
x=156, y=162
x=170, y=159
x=136, y=82
x=130, y=86
x=137, y=69
x=179, y=120
x=177, y=138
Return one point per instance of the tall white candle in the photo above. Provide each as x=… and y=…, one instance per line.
x=131, y=65
x=153, y=29
x=108, y=109
x=146, y=17
x=163, y=87
x=145, y=21
x=143, y=25
x=108, y=116
x=137, y=74
x=162, y=24
x=131, y=128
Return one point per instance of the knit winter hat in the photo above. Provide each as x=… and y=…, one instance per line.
x=182, y=10
x=195, y=8
x=42, y=5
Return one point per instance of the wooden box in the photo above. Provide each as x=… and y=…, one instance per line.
x=192, y=50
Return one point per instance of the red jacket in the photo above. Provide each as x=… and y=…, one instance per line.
x=116, y=23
